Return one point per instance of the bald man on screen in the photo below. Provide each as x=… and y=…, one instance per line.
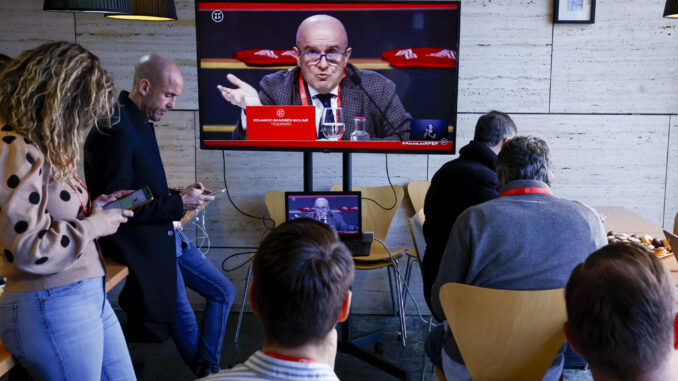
x=327, y=79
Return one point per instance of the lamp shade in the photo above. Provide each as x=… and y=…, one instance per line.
x=671, y=9
x=150, y=10
x=93, y=6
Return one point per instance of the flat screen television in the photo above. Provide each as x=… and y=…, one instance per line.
x=399, y=83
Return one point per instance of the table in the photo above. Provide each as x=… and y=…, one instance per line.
x=622, y=220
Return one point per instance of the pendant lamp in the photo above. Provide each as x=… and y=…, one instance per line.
x=92, y=6
x=671, y=9
x=150, y=10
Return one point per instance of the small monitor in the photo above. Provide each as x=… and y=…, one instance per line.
x=340, y=210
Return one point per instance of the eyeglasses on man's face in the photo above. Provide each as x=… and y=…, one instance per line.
x=315, y=57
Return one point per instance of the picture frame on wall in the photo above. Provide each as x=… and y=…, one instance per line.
x=574, y=11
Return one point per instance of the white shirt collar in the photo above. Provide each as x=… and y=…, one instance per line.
x=313, y=92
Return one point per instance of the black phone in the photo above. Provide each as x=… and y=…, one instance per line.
x=132, y=200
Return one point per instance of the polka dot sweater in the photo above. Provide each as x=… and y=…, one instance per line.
x=45, y=241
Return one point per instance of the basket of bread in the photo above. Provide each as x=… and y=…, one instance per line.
x=661, y=247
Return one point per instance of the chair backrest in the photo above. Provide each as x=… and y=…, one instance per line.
x=375, y=218
x=275, y=205
x=505, y=334
x=416, y=223
x=675, y=225
x=417, y=190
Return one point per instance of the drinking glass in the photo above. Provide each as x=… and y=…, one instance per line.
x=332, y=122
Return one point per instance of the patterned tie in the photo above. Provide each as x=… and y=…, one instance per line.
x=326, y=100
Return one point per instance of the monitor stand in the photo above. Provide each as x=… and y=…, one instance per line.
x=347, y=344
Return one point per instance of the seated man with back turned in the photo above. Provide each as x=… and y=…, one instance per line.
x=527, y=239
x=301, y=289
x=622, y=315
x=465, y=181
x=324, y=78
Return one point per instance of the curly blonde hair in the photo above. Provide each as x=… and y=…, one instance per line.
x=53, y=95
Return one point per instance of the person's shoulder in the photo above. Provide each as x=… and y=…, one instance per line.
x=279, y=77
x=464, y=169
x=369, y=77
x=578, y=208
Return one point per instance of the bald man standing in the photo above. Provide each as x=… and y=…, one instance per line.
x=322, y=78
x=162, y=260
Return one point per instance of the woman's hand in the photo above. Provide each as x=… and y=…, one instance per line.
x=112, y=217
x=108, y=198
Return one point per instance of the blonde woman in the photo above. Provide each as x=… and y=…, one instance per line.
x=54, y=316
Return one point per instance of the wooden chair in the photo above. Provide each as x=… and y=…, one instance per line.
x=417, y=190
x=275, y=205
x=505, y=334
x=675, y=225
x=379, y=206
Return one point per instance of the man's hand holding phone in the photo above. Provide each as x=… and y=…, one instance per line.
x=195, y=195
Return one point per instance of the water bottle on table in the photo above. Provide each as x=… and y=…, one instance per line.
x=359, y=129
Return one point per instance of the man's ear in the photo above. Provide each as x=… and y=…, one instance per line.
x=253, y=304
x=675, y=332
x=348, y=53
x=297, y=54
x=144, y=87
x=568, y=337
x=345, y=307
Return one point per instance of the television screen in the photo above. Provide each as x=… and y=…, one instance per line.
x=328, y=76
x=339, y=210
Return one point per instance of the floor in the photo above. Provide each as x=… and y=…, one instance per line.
x=161, y=362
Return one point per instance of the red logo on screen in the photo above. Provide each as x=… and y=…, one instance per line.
x=281, y=123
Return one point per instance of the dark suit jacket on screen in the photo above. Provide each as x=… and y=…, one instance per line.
x=335, y=221
x=127, y=157
x=282, y=88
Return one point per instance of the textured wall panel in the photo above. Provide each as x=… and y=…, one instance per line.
x=606, y=160
x=176, y=138
x=25, y=25
x=121, y=43
x=505, y=55
x=624, y=63
x=671, y=207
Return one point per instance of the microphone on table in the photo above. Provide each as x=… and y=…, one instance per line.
x=355, y=78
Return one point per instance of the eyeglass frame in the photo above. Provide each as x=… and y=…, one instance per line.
x=321, y=55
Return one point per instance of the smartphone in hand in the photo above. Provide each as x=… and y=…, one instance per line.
x=132, y=200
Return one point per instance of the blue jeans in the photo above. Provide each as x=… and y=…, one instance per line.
x=199, y=274
x=65, y=333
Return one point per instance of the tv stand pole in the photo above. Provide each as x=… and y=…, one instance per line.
x=346, y=343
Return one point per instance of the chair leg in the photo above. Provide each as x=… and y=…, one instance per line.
x=408, y=274
x=390, y=287
x=242, y=303
x=423, y=360
x=401, y=311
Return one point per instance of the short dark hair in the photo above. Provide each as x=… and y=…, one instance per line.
x=301, y=275
x=620, y=308
x=525, y=158
x=493, y=127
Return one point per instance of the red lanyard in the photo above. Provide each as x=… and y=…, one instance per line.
x=304, y=97
x=85, y=209
x=288, y=358
x=526, y=190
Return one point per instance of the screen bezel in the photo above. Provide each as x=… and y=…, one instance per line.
x=453, y=138
x=343, y=236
